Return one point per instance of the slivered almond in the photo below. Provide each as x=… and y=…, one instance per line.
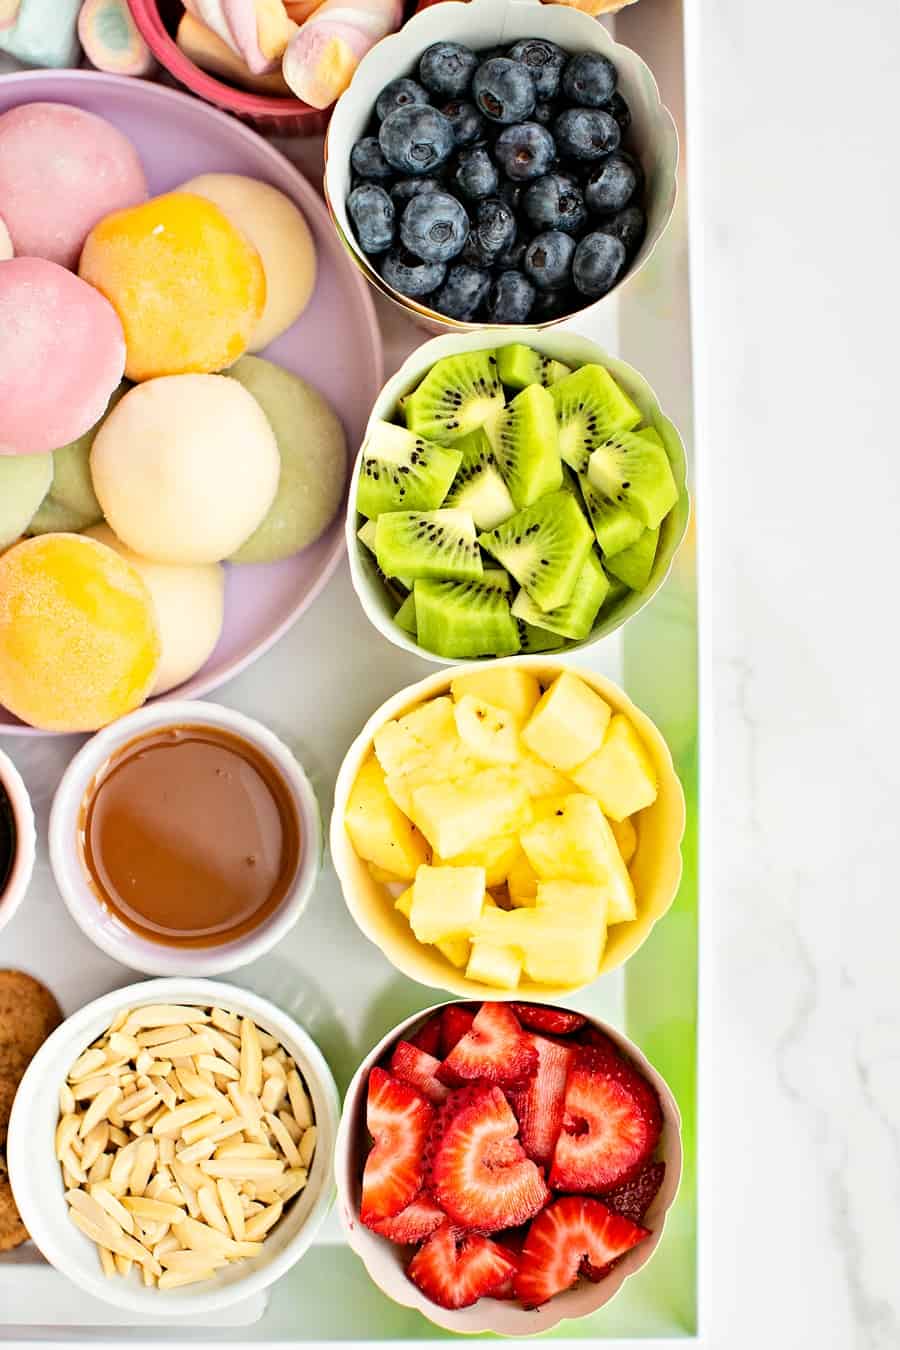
x=196, y=1044
x=123, y=1264
x=308, y=1145
x=101, y=1169
x=123, y=1244
x=87, y=1065
x=239, y=1149
x=284, y=1140
x=66, y=1100
x=143, y=1167
x=273, y=1093
x=94, y=1144
x=292, y=1183
x=163, y=1035
x=98, y=1109
x=202, y=1128
x=223, y=1047
x=66, y=1131
x=300, y=1103
x=91, y=1087
x=247, y=1169
x=230, y=1203
x=225, y=1021
x=107, y=1262
x=219, y=1067
x=162, y=1015
x=108, y=1202
x=196, y=1152
x=290, y=1124
x=250, y=1059
x=171, y=1123
x=257, y=1226
x=210, y=1210
x=154, y=1210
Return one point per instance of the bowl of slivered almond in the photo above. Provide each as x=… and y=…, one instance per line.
x=171, y=1146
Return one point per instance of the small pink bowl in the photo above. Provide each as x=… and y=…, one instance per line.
x=275, y=116
x=12, y=891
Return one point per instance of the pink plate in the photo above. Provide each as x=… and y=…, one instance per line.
x=335, y=344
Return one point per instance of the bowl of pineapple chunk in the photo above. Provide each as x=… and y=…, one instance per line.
x=510, y=830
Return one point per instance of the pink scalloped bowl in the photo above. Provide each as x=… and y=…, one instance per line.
x=335, y=344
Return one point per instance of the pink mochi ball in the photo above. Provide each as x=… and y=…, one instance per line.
x=62, y=353
x=62, y=170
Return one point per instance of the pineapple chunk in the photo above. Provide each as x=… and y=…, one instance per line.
x=625, y=836
x=409, y=741
x=444, y=766
x=381, y=876
x=569, y=723
x=488, y=732
x=539, y=779
x=621, y=774
x=457, y=817
x=378, y=831
x=404, y=902
x=522, y=882
x=561, y=938
x=456, y=951
x=506, y=687
x=496, y=856
x=542, y=808
x=447, y=902
x=499, y=967
x=577, y=844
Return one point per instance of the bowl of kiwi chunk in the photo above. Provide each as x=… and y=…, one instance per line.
x=517, y=491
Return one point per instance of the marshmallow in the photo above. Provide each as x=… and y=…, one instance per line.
x=320, y=61
x=207, y=51
x=42, y=32
x=111, y=40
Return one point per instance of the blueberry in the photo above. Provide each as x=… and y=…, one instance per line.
x=467, y=121
x=463, y=291
x=544, y=112
x=589, y=79
x=514, y=255
x=619, y=110
x=434, y=226
x=399, y=94
x=549, y=305
x=554, y=202
x=446, y=68
x=367, y=159
x=525, y=151
x=511, y=298
x=628, y=226
x=493, y=230
x=548, y=259
x=405, y=189
x=584, y=133
x=372, y=213
x=504, y=90
x=545, y=61
x=599, y=262
x=411, y=276
x=475, y=173
x=611, y=186
x=416, y=139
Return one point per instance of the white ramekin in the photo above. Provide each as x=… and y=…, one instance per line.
x=385, y=1261
x=36, y=1176
x=13, y=892
x=108, y=932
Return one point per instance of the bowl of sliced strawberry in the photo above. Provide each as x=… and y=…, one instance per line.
x=503, y=1167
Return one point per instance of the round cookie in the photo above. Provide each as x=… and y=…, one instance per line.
x=79, y=640
x=190, y=609
x=7, y=1094
x=185, y=468
x=71, y=503
x=24, y=483
x=28, y=1013
x=62, y=170
x=313, y=451
x=275, y=226
x=6, y=248
x=12, y=1230
x=188, y=286
x=63, y=355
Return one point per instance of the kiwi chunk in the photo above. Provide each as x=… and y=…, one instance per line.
x=427, y=544
x=634, y=565
x=590, y=407
x=544, y=547
x=614, y=527
x=520, y=366
x=457, y=395
x=478, y=486
x=634, y=472
x=524, y=439
x=405, y=617
x=402, y=472
x=533, y=639
x=576, y=618
x=465, y=619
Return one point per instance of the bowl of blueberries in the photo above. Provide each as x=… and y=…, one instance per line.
x=500, y=162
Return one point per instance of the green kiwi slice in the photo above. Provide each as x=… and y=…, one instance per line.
x=520, y=366
x=590, y=406
x=576, y=618
x=427, y=544
x=465, y=619
x=634, y=472
x=405, y=617
x=634, y=564
x=544, y=547
x=478, y=486
x=533, y=640
x=457, y=395
x=524, y=440
x=366, y=536
x=614, y=527
x=403, y=472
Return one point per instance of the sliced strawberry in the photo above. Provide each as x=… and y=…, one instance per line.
x=428, y=1037
x=611, y=1124
x=413, y=1224
x=481, y=1175
x=555, y=1021
x=455, y=1022
x=569, y=1234
x=456, y=1269
x=539, y=1103
x=512, y=1243
x=495, y=1050
x=635, y=1197
x=398, y=1119
x=415, y=1066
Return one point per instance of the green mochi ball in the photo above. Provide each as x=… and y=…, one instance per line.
x=71, y=504
x=24, y=480
x=313, y=452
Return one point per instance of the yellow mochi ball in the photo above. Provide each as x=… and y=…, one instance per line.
x=187, y=285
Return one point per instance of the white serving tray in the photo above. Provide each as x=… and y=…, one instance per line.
x=315, y=688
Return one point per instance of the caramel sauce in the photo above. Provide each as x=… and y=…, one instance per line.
x=189, y=836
